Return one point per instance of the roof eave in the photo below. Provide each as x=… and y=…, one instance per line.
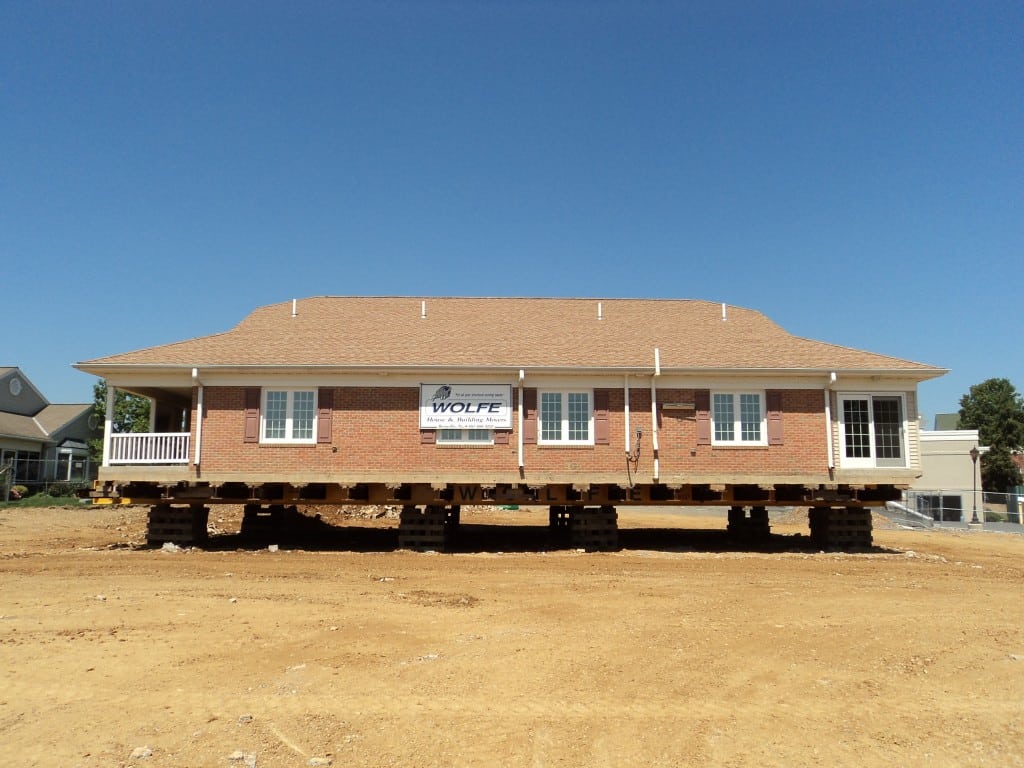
x=106, y=369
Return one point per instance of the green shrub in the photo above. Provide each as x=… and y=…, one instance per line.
x=64, y=488
x=19, y=491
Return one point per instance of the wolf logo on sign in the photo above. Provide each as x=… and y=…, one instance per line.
x=443, y=392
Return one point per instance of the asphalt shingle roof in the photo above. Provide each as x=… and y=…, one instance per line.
x=14, y=425
x=57, y=415
x=510, y=332
x=39, y=427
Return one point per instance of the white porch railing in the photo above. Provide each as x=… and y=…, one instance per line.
x=149, y=448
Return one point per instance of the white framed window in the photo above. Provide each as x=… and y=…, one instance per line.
x=288, y=416
x=738, y=418
x=871, y=430
x=566, y=418
x=465, y=437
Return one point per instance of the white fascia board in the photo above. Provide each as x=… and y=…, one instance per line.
x=929, y=435
x=129, y=375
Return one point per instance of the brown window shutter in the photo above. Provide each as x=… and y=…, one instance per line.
x=428, y=436
x=702, y=404
x=773, y=404
x=501, y=436
x=324, y=409
x=601, y=430
x=530, y=416
x=252, y=415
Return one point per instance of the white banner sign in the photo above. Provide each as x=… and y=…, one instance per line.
x=465, y=406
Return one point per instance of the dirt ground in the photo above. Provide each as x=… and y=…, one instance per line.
x=679, y=650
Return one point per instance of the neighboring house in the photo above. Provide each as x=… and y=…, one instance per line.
x=41, y=441
x=949, y=488
x=491, y=400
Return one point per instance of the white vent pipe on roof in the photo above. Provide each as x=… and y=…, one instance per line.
x=723, y=312
x=295, y=307
x=600, y=314
x=423, y=310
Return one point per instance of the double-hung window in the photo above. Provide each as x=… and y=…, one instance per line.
x=288, y=416
x=566, y=418
x=738, y=418
x=871, y=430
x=465, y=436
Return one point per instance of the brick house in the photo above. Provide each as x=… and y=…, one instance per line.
x=571, y=403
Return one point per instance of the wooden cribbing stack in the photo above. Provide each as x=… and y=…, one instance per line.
x=749, y=528
x=183, y=526
x=427, y=529
x=841, y=527
x=594, y=528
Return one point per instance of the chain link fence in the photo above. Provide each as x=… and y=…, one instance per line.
x=26, y=476
x=960, y=509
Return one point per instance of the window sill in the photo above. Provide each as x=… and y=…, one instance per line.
x=871, y=467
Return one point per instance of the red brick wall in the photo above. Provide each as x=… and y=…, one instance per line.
x=377, y=429
x=804, y=447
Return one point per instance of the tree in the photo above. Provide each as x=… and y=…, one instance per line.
x=131, y=414
x=996, y=410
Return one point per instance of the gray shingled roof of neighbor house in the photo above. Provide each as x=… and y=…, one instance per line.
x=14, y=425
x=39, y=427
x=57, y=415
x=409, y=332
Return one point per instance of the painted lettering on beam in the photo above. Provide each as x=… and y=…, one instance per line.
x=467, y=492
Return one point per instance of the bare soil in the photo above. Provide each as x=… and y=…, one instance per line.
x=679, y=650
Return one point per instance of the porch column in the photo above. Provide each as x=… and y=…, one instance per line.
x=199, y=414
x=108, y=423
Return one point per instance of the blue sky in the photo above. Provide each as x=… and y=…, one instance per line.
x=851, y=169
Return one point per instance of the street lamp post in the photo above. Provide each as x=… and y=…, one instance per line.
x=974, y=480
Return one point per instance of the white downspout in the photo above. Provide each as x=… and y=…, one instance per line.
x=828, y=420
x=522, y=376
x=654, y=411
x=108, y=423
x=199, y=414
x=626, y=414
